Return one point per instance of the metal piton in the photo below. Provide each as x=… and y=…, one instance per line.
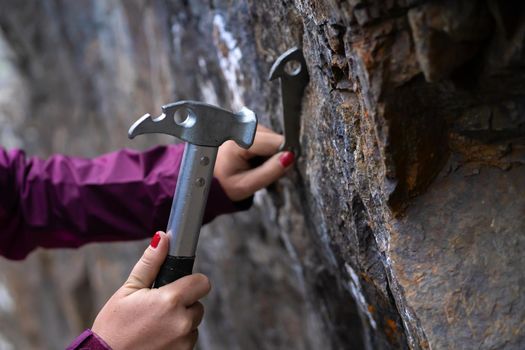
x=293, y=84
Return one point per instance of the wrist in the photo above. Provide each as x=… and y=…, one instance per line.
x=89, y=340
x=100, y=340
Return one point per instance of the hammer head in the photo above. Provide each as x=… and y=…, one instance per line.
x=200, y=124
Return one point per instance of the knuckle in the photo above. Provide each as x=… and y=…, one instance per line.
x=243, y=153
x=228, y=147
x=176, y=298
x=164, y=298
x=184, y=325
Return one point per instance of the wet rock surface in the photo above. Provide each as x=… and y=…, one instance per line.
x=400, y=228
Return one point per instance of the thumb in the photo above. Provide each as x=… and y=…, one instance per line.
x=145, y=271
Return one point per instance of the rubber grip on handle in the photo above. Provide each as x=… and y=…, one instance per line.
x=173, y=268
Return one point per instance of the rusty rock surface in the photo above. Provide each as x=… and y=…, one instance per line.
x=402, y=225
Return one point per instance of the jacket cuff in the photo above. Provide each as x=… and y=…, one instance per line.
x=88, y=340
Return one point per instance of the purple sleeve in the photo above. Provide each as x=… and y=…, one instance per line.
x=67, y=201
x=88, y=341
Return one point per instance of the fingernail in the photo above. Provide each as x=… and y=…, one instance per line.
x=155, y=240
x=286, y=159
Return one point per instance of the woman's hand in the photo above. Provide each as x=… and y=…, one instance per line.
x=138, y=317
x=238, y=179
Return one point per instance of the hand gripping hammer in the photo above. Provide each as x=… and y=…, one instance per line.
x=204, y=129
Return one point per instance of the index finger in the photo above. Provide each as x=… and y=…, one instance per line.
x=265, y=144
x=188, y=289
x=262, y=128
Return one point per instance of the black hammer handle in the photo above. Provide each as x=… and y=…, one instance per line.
x=173, y=268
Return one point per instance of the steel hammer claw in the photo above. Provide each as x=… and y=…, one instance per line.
x=200, y=124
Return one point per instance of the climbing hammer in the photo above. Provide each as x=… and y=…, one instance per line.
x=204, y=128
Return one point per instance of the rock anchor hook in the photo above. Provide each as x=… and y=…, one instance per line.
x=293, y=82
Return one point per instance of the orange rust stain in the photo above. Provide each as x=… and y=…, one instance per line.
x=475, y=151
x=391, y=324
x=371, y=309
x=391, y=330
x=366, y=278
x=412, y=176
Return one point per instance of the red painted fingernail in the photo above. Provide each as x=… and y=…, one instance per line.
x=286, y=159
x=155, y=240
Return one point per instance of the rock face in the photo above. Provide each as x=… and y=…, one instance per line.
x=402, y=226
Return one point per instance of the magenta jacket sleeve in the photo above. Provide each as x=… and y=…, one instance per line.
x=88, y=341
x=67, y=201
